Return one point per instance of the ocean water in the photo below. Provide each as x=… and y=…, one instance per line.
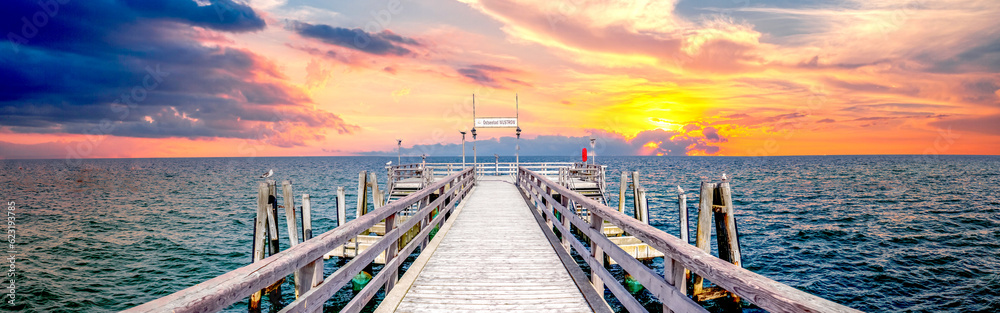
x=876, y=233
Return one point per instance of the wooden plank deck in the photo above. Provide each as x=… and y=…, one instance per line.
x=493, y=258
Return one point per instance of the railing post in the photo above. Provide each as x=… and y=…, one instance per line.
x=565, y=221
x=390, y=253
x=597, y=223
x=549, y=214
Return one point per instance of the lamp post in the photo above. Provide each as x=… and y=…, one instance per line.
x=517, y=147
x=399, y=152
x=474, y=161
x=463, y=148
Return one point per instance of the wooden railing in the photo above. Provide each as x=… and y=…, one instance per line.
x=403, y=171
x=549, y=197
x=220, y=292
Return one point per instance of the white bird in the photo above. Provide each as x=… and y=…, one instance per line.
x=680, y=190
x=724, y=177
x=268, y=174
x=388, y=163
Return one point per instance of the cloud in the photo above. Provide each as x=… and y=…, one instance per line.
x=224, y=15
x=112, y=67
x=317, y=74
x=491, y=76
x=989, y=124
x=620, y=33
x=382, y=43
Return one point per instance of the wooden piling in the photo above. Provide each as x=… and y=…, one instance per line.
x=683, y=216
x=729, y=227
x=621, y=192
x=680, y=274
x=362, y=194
x=306, y=218
x=274, y=290
x=311, y=274
x=636, y=213
x=704, y=231
x=643, y=205
x=293, y=234
x=341, y=207
x=377, y=200
x=260, y=238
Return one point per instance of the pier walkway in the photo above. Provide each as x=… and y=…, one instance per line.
x=494, y=257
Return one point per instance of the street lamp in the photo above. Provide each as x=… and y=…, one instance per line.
x=399, y=152
x=463, y=148
x=517, y=147
x=474, y=147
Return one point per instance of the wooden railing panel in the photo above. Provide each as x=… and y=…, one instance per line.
x=644, y=275
x=762, y=291
x=219, y=292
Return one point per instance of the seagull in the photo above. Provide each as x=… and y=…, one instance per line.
x=268, y=174
x=724, y=177
x=388, y=163
x=680, y=190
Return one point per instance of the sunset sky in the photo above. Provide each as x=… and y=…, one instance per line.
x=184, y=78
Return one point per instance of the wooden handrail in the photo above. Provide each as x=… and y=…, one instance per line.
x=220, y=292
x=762, y=291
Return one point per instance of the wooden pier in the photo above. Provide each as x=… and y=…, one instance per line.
x=492, y=257
x=508, y=239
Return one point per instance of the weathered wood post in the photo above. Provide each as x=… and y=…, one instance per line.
x=341, y=207
x=682, y=214
x=293, y=233
x=273, y=291
x=307, y=232
x=643, y=205
x=362, y=194
x=636, y=210
x=727, y=225
x=260, y=238
x=312, y=274
x=704, y=231
x=376, y=194
x=673, y=271
x=621, y=192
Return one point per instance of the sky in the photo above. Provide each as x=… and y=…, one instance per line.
x=229, y=78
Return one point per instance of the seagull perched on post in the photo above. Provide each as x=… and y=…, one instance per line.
x=680, y=190
x=268, y=174
x=724, y=177
x=388, y=163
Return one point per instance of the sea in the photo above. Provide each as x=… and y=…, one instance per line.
x=875, y=233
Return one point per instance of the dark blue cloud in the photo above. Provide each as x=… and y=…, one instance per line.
x=490, y=75
x=109, y=67
x=383, y=43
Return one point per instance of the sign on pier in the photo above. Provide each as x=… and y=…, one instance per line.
x=496, y=122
